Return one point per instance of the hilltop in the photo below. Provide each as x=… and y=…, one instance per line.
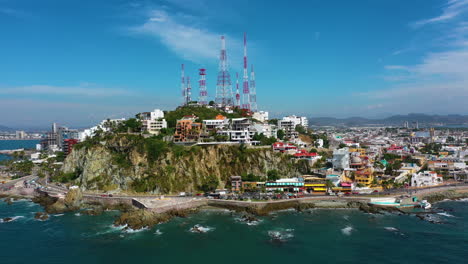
x=125, y=162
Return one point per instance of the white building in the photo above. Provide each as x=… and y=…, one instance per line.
x=215, y=124
x=261, y=116
x=297, y=120
x=267, y=130
x=426, y=178
x=319, y=143
x=153, y=122
x=241, y=136
x=104, y=126
x=20, y=134
x=341, y=158
x=154, y=126
x=289, y=128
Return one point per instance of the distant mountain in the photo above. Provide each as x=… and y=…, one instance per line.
x=396, y=120
x=5, y=129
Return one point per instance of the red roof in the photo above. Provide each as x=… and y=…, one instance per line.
x=305, y=154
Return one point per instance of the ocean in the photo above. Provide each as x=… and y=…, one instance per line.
x=315, y=236
x=16, y=144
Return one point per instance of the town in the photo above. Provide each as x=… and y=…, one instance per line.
x=341, y=161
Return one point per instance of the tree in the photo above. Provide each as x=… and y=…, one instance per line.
x=329, y=184
x=60, y=156
x=250, y=177
x=342, y=145
x=301, y=130
x=280, y=134
x=211, y=103
x=209, y=183
x=273, y=121
x=273, y=175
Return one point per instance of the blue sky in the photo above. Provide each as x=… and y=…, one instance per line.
x=77, y=62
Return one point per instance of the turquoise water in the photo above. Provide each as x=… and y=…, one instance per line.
x=16, y=144
x=316, y=236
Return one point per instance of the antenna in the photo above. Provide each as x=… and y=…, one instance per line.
x=202, y=84
x=245, y=83
x=253, y=91
x=223, y=85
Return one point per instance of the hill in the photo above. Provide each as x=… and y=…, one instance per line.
x=5, y=129
x=396, y=120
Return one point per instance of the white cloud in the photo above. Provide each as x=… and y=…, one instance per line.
x=452, y=9
x=85, y=90
x=181, y=34
x=439, y=82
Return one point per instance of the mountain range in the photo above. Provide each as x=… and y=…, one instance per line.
x=396, y=120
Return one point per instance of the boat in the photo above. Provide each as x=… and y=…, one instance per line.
x=425, y=204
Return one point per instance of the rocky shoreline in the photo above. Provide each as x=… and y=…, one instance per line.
x=133, y=218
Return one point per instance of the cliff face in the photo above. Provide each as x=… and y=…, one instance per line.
x=124, y=164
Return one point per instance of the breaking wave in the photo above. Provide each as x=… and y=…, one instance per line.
x=200, y=229
x=347, y=230
x=10, y=219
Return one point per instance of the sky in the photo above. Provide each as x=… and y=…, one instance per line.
x=77, y=62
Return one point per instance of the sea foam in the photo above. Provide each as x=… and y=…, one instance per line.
x=347, y=230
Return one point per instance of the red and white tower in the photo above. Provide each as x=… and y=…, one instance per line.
x=188, y=92
x=238, y=103
x=182, y=85
x=203, y=97
x=223, y=85
x=253, y=92
x=245, y=83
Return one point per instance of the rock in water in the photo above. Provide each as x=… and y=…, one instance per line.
x=9, y=201
x=41, y=216
x=138, y=219
x=73, y=198
x=7, y=219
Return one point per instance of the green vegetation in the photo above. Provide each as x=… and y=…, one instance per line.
x=265, y=141
x=209, y=183
x=273, y=121
x=65, y=177
x=393, y=167
x=22, y=168
x=324, y=137
x=131, y=125
x=280, y=134
x=342, y=145
x=60, y=156
x=301, y=130
x=273, y=175
x=390, y=157
x=431, y=148
x=249, y=177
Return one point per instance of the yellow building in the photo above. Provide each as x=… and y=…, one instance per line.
x=364, y=177
x=315, y=184
x=361, y=151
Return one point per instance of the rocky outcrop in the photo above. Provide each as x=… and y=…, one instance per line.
x=141, y=218
x=41, y=216
x=122, y=164
x=53, y=205
x=440, y=196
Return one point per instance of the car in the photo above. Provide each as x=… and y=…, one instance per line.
x=375, y=191
x=355, y=193
x=347, y=193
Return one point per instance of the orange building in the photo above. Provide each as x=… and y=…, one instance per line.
x=187, y=131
